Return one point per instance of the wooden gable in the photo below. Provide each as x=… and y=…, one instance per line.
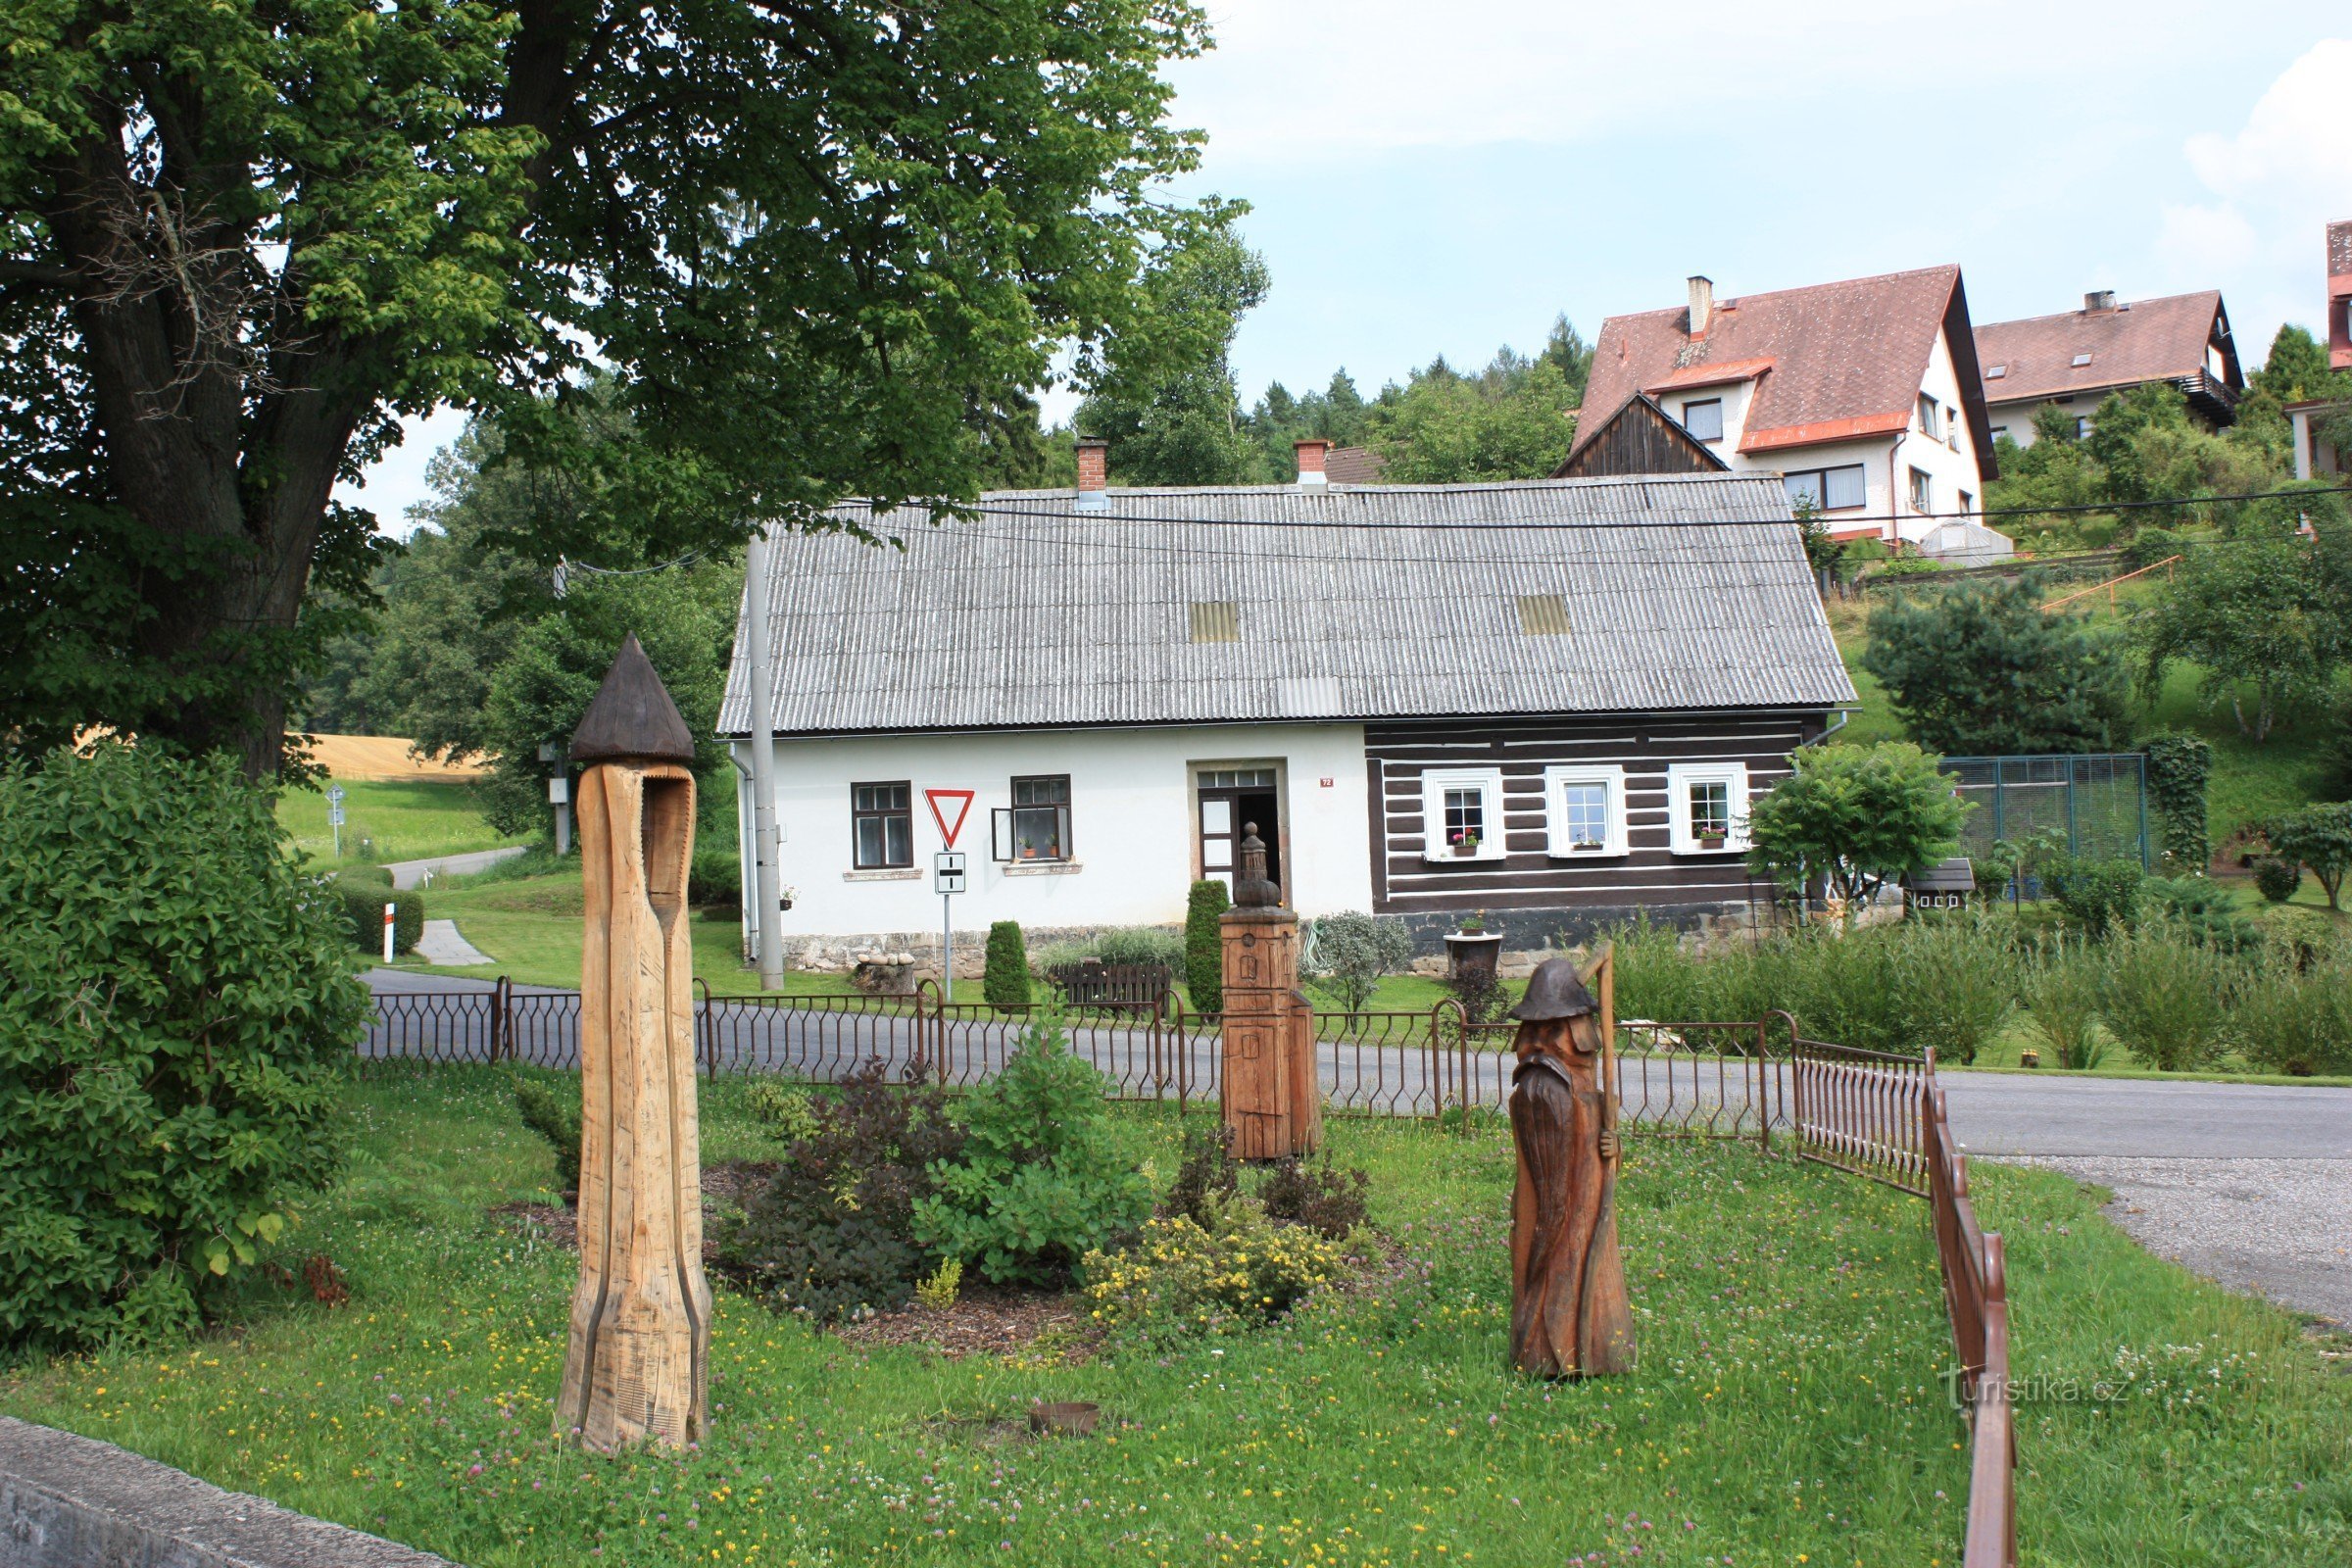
x=1640, y=437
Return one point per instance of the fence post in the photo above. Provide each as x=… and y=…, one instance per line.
x=501, y=1019
x=705, y=1048
x=1758, y=1095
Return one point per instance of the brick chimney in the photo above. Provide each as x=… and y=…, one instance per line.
x=2098, y=300
x=1702, y=305
x=1311, y=454
x=1093, y=464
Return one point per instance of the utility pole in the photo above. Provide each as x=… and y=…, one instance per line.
x=767, y=881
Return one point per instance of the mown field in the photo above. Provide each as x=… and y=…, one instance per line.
x=385, y=820
x=1788, y=1407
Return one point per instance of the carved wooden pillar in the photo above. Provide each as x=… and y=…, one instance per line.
x=1273, y=1102
x=637, y=1364
x=1570, y=1315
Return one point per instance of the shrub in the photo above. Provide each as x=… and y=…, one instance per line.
x=363, y=914
x=1320, y=1193
x=367, y=875
x=715, y=879
x=2179, y=766
x=940, y=1290
x=2295, y=1019
x=1039, y=1183
x=1347, y=955
x=176, y=1017
x=834, y=1230
x=2276, y=880
x=1141, y=945
x=2164, y=997
x=1181, y=1279
x=1657, y=978
x=2062, y=995
x=554, y=1113
x=2307, y=936
x=1205, y=1171
x=1005, y=982
x=1480, y=994
x=2318, y=838
x=1957, y=978
x=782, y=1106
x=2097, y=896
x=1205, y=945
x=2202, y=911
x=1855, y=817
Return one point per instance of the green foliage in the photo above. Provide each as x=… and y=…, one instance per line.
x=785, y=1109
x=1204, y=945
x=366, y=875
x=1857, y=817
x=835, y=1230
x=1206, y=1171
x=1236, y=1271
x=1005, y=983
x=2265, y=616
x=2062, y=992
x=2201, y=911
x=1957, y=975
x=1347, y=955
x=1511, y=423
x=1040, y=1183
x=336, y=215
x=177, y=1017
x=2179, y=766
x=938, y=1293
x=2318, y=839
x=714, y=880
x=2296, y=1016
x=552, y=1109
x=362, y=902
x=2098, y=895
x=1983, y=671
x=1825, y=554
x=1318, y=1192
x=2276, y=880
x=2164, y=996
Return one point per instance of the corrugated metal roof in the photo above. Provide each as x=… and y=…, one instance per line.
x=1681, y=592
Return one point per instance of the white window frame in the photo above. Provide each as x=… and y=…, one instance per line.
x=1558, y=845
x=1435, y=782
x=1680, y=776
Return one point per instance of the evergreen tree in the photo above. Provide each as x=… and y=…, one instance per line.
x=1973, y=672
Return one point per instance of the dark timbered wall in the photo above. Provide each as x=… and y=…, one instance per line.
x=1651, y=876
x=1640, y=438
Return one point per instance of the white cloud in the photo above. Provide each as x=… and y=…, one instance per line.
x=2274, y=184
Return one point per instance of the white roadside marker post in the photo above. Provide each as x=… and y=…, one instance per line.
x=388, y=911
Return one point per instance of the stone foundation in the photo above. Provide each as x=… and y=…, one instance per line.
x=842, y=955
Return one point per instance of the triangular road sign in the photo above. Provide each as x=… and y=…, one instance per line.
x=962, y=800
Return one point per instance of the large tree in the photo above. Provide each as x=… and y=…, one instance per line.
x=804, y=239
x=1984, y=670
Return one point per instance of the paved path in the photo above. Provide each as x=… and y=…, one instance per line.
x=2248, y=1184
x=407, y=873
x=440, y=943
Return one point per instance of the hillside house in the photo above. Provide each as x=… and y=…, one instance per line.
x=2340, y=295
x=1863, y=396
x=2316, y=457
x=1552, y=700
x=2077, y=358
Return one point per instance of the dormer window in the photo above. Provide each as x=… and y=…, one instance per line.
x=1704, y=419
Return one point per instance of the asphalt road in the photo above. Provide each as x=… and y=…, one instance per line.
x=407, y=873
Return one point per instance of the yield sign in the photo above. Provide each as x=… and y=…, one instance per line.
x=963, y=801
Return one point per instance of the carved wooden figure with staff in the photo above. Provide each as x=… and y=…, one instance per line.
x=1570, y=1316
x=637, y=1366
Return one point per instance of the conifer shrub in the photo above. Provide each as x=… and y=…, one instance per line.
x=1005, y=983
x=1204, y=945
x=176, y=1015
x=553, y=1111
x=2276, y=880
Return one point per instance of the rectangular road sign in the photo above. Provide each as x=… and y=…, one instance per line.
x=947, y=872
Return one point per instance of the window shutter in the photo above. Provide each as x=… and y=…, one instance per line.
x=999, y=833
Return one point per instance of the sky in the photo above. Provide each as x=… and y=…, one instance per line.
x=1433, y=178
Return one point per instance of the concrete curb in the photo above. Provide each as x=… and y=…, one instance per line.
x=70, y=1501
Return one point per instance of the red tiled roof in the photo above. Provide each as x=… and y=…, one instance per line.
x=1712, y=373
x=2143, y=340
x=1353, y=466
x=1844, y=358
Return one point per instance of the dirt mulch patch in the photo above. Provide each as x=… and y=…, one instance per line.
x=983, y=1321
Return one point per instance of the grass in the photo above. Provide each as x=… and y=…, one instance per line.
x=406, y=819
x=1787, y=1407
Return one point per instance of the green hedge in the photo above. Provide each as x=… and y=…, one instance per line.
x=1204, y=945
x=1005, y=982
x=177, y=1019
x=364, y=913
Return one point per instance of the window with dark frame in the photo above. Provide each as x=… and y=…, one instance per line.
x=1041, y=817
x=1926, y=416
x=1923, y=490
x=882, y=825
x=1829, y=489
x=1704, y=419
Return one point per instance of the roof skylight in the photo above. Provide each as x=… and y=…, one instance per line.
x=1544, y=614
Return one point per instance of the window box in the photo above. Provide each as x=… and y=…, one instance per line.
x=1584, y=811
x=1706, y=805
x=1461, y=813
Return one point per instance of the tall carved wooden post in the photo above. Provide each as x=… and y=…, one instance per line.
x=638, y=1364
x=1273, y=1101
x=1570, y=1316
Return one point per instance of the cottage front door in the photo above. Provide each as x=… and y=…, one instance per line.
x=1229, y=799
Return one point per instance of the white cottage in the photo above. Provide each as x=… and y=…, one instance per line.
x=1551, y=701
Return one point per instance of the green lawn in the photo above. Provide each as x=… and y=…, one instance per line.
x=406, y=819
x=1787, y=1408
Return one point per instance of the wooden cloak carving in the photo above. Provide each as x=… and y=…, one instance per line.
x=1570, y=1315
x=636, y=1366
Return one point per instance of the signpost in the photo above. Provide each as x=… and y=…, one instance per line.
x=947, y=876
x=334, y=815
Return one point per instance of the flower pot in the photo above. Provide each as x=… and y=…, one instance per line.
x=1469, y=952
x=1464, y=849
x=1710, y=840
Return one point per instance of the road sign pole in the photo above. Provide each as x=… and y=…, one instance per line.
x=767, y=840
x=947, y=948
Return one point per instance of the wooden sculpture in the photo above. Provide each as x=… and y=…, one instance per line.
x=1273, y=1102
x=637, y=1365
x=1570, y=1316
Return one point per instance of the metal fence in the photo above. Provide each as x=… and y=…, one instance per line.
x=2100, y=802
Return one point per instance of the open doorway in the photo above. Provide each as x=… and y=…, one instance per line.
x=1227, y=801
